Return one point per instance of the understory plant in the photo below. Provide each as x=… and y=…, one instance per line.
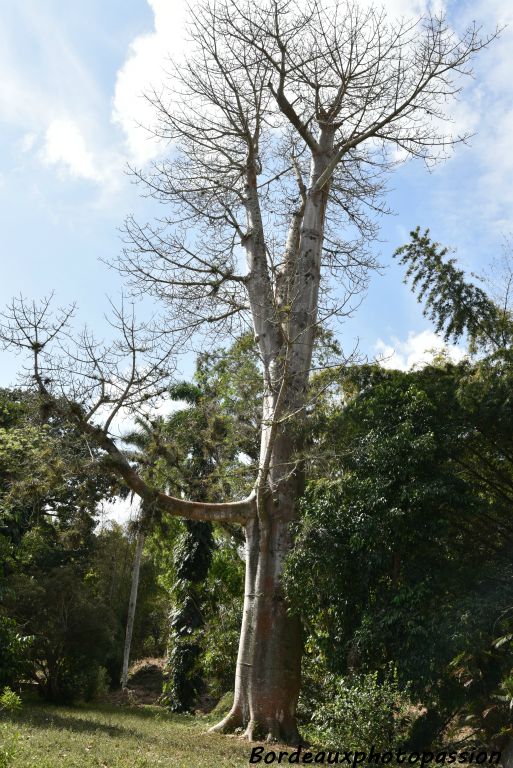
x=10, y=704
x=360, y=711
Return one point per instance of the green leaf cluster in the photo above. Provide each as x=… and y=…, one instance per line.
x=403, y=550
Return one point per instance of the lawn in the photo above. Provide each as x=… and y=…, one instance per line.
x=108, y=736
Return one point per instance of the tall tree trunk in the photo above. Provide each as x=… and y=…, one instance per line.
x=131, y=607
x=268, y=673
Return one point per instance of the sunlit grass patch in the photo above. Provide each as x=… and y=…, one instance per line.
x=105, y=736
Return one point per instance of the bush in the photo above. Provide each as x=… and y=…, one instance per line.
x=360, y=711
x=77, y=683
x=220, y=642
x=99, y=685
x=72, y=630
x=12, y=658
x=10, y=702
x=224, y=704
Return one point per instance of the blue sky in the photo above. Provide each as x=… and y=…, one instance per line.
x=70, y=100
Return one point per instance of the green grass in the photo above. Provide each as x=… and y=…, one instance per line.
x=106, y=736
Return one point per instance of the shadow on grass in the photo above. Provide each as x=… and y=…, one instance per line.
x=88, y=719
x=149, y=712
x=46, y=717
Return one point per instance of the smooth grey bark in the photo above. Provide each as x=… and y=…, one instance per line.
x=268, y=674
x=136, y=568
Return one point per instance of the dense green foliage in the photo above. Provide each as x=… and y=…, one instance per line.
x=10, y=702
x=455, y=305
x=403, y=550
x=206, y=441
x=192, y=557
x=62, y=597
x=361, y=710
x=13, y=645
x=404, y=553
x=450, y=301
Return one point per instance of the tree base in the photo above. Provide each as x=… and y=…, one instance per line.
x=271, y=731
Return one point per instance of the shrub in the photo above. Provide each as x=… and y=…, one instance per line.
x=224, y=704
x=14, y=646
x=99, y=685
x=72, y=630
x=81, y=682
x=220, y=642
x=10, y=702
x=360, y=711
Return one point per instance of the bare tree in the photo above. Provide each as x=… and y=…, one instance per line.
x=283, y=125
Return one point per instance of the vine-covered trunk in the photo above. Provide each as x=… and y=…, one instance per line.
x=192, y=561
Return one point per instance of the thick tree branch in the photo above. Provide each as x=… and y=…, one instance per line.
x=231, y=512
x=288, y=110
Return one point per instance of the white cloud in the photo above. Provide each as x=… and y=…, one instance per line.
x=52, y=77
x=27, y=141
x=399, y=8
x=39, y=99
x=418, y=350
x=494, y=151
x=65, y=147
x=486, y=109
x=40, y=92
x=74, y=155
x=144, y=69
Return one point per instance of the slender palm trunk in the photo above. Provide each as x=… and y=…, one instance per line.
x=131, y=607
